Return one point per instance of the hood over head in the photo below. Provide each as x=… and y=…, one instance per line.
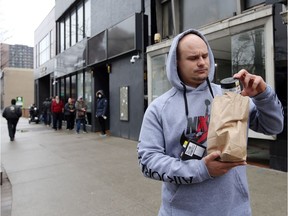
x=171, y=66
x=100, y=92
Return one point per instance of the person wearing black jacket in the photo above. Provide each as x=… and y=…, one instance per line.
x=12, y=114
x=47, y=112
x=69, y=112
x=101, y=110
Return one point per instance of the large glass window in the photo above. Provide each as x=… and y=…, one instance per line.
x=73, y=87
x=88, y=90
x=245, y=50
x=67, y=32
x=80, y=84
x=248, y=52
x=167, y=19
x=44, y=49
x=62, y=36
x=80, y=25
x=251, y=3
x=52, y=44
x=160, y=83
x=62, y=89
x=73, y=27
x=87, y=7
x=67, y=92
x=205, y=12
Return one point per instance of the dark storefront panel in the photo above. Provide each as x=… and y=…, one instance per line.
x=278, y=150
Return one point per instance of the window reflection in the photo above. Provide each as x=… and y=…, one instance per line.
x=80, y=84
x=88, y=90
x=44, y=49
x=75, y=26
x=73, y=87
x=160, y=83
x=248, y=52
x=67, y=32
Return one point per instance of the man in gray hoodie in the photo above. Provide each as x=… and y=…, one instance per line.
x=203, y=186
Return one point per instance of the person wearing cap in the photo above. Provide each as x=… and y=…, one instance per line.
x=101, y=110
x=81, y=109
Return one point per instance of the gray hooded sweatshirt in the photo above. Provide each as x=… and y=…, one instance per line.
x=188, y=189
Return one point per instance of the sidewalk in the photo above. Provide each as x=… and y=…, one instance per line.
x=60, y=173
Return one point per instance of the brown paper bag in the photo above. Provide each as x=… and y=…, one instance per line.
x=228, y=127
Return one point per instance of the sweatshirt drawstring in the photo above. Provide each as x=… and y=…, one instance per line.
x=185, y=100
x=185, y=97
x=209, y=86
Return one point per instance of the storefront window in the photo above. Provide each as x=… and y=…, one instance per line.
x=62, y=89
x=80, y=84
x=88, y=90
x=67, y=32
x=160, y=83
x=193, y=16
x=87, y=18
x=248, y=52
x=80, y=25
x=73, y=27
x=67, y=88
x=73, y=87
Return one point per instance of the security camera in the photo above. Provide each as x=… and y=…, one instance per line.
x=133, y=58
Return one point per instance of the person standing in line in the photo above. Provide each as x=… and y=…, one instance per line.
x=57, y=109
x=81, y=109
x=12, y=114
x=47, y=112
x=69, y=112
x=101, y=110
x=204, y=186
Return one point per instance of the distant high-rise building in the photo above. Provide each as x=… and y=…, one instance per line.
x=17, y=56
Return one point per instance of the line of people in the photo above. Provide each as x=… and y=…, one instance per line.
x=53, y=110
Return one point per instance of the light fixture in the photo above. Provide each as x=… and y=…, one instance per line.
x=133, y=58
x=108, y=66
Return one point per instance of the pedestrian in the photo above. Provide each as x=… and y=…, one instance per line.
x=81, y=109
x=46, y=111
x=69, y=112
x=199, y=186
x=57, y=109
x=12, y=114
x=101, y=110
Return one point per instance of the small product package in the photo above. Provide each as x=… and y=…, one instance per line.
x=228, y=127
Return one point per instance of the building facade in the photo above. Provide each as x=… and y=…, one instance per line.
x=110, y=45
x=16, y=74
x=16, y=56
x=17, y=83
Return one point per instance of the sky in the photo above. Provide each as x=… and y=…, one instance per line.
x=20, y=18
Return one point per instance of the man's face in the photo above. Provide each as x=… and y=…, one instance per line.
x=192, y=60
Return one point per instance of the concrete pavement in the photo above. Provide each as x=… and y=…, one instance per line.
x=60, y=173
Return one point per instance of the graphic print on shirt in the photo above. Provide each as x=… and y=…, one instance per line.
x=197, y=127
